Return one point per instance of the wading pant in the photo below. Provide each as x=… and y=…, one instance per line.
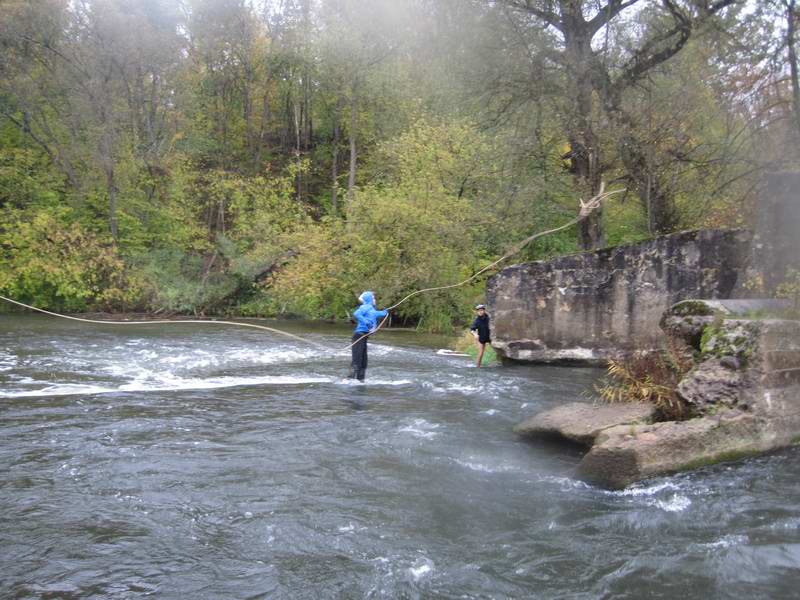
x=358, y=368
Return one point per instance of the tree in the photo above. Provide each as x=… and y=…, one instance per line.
x=357, y=39
x=588, y=75
x=87, y=86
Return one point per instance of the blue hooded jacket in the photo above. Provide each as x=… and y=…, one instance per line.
x=367, y=315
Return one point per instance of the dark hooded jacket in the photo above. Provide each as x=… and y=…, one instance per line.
x=481, y=325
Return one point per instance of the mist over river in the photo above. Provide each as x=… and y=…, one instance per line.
x=194, y=461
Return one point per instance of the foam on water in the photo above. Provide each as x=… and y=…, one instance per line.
x=792, y=523
x=565, y=483
x=485, y=387
x=194, y=359
x=165, y=385
x=727, y=541
x=64, y=389
x=142, y=365
x=462, y=388
x=489, y=465
x=368, y=381
x=7, y=361
x=421, y=568
x=420, y=428
x=645, y=491
x=676, y=503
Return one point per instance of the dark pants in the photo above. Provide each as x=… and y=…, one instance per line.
x=359, y=350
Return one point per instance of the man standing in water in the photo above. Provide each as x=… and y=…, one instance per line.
x=366, y=317
x=480, y=329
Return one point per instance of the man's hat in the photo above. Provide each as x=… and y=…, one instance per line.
x=480, y=306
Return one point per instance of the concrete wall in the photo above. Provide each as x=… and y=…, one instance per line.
x=591, y=306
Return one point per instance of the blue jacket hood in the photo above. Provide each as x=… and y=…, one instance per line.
x=367, y=298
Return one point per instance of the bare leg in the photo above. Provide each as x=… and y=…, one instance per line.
x=481, y=349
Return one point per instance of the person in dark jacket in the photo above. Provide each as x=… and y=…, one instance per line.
x=366, y=317
x=480, y=329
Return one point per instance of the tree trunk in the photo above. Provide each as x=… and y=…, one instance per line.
x=335, y=159
x=306, y=111
x=793, y=67
x=351, y=180
x=582, y=138
x=286, y=132
x=297, y=153
x=247, y=108
x=112, y=202
x=264, y=127
x=656, y=201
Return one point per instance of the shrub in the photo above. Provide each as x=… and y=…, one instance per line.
x=649, y=377
x=50, y=261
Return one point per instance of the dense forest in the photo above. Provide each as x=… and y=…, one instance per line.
x=276, y=157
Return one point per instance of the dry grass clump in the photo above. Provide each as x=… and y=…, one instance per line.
x=649, y=377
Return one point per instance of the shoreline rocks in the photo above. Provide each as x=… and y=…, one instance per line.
x=743, y=394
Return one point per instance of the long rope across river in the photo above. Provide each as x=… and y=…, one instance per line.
x=586, y=208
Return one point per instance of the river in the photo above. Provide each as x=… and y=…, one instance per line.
x=194, y=461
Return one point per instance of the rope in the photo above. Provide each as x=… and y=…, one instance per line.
x=162, y=321
x=586, y=209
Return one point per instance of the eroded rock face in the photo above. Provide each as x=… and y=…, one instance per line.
x=597, y=305
x=710, y=386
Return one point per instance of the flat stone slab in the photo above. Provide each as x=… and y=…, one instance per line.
x=582, y=422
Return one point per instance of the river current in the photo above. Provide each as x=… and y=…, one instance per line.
x=194, y=461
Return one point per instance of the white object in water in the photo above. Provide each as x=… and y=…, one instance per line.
x=446, y=352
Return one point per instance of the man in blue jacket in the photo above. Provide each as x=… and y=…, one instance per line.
x=366, y=317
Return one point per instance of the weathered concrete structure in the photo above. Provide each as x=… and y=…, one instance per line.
x=743, y=393
x=596, y=305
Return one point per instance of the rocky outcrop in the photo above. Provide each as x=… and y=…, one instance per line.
x=743, y=394
x=597, y=305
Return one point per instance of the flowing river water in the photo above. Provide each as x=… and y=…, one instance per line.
x=193, y=461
